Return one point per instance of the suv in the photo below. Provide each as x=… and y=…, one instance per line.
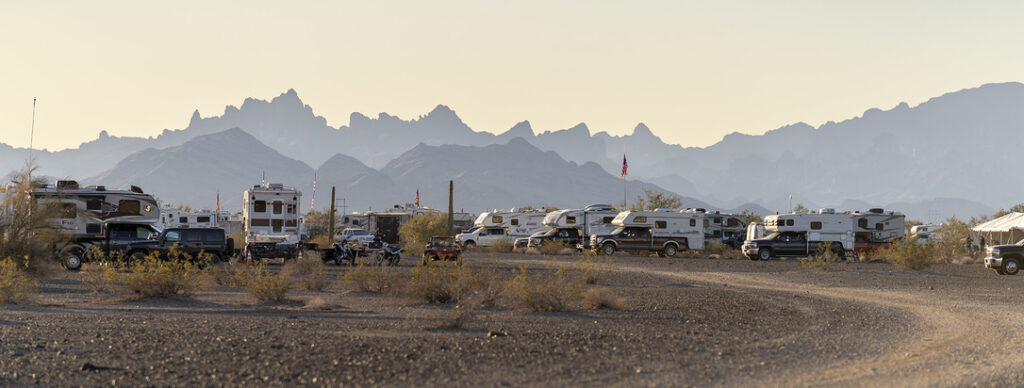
x=787, y=244
x=441, y=248
x=1005, y=259
x=191, y=241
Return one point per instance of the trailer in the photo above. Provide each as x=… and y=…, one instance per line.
x=178, y=218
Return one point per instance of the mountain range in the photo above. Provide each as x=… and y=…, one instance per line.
x=931, y=158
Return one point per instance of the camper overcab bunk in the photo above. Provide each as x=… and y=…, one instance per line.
x=271, y=219
x=97, y=216
x=175, y=218
x=801, y=234
x=501, y=225
x=877, y=228
x=573, y=226
x=664, y=231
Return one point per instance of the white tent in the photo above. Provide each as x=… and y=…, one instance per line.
x=1007, y=229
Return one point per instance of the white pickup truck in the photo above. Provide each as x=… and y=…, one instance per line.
x=482, y=236
x=356, y=235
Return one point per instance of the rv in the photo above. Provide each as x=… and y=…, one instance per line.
x=594, y=219
x=95, y=216
x=801, y=234
x=501, y=225
x=176, y=218
x=877, y=225
x=664, y=231
x=270, y=216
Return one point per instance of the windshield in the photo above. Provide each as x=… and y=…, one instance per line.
x=358, y=232
x=1020, y=243
x=618, y=230
x=771, y=236
x=471, y=231
x=541, y=233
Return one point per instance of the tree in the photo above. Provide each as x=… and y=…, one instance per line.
x=656, y=200
x=800, y=208
x=1018, y=208
x=749, y=216
x=416, y=232
x=954, y=239
x=318, y=223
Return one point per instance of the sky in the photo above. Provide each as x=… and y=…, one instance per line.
x=693, y=71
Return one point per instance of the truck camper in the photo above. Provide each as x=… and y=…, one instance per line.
x=97, y=216
x=594, y=219
x=729, y=229
x=664, y=231
x=495, y=225
x=270, y=215
x=876, y=229
x=176, y=218
x=801, y=234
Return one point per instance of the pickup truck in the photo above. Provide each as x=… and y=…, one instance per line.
x=116, y=238
x=191, y=241
x=636, y=238
x=481, y=236
x=568, y=236
x=356, y=235
x=786, y=244
x=1005, y=259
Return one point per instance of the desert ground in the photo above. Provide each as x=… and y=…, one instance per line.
x=683, y=322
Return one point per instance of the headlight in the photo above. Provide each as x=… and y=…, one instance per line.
x=995, y=253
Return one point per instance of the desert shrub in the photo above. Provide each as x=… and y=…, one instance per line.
x=556, y=290
x=822, y=259
x=501, y=245
x=309, y=272
x=234, y=276
x=954, y=238
x=717, y=249
x=374, y=278
x=153, y=277
x=593, y=269
x=603, y=298
x=553, y=247
x=265, y=285
x=416, y=232
x=446, y=282
x=905, y=253
x=100, y=276
x=17, y=285
x=26, y=235
x=459, y=317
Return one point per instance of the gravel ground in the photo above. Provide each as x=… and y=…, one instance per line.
x=687, y=322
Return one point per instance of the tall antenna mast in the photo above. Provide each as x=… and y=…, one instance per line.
x=32, y=133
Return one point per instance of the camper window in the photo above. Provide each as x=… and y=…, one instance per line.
x=496, y=219
x=879, y=226
x=93, y=204
x=259, y=206
x=815, y=225
x=194, y=235
x=203, y=219
x=68, y=210
x=213, y=235
x=291, y=208
x=570, y=219
x=693, y=222
x=172, y=236
x=640, y=219
x=660, y=224
x=183, y=220
x=514, y=222
x=718, y=220
x=277, y=207
x=277, y=225
x=789, y=222
x=128, y=207
x=607, y=220
x=863, y=223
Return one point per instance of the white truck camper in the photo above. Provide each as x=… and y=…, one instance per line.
x=501, y=225
x=800, y=234
x=97, y=216
x=877, y=225
x=176, y=218
x=270, y=215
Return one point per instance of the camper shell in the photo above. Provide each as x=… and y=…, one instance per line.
x=108, y=219
x=664, y=231
x=800, y=234
x=270, y=215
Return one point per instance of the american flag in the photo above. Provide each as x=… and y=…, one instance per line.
x=417, y=197
x=218, y=202
x=625, y=166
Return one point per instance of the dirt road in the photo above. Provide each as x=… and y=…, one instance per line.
x=688, y=322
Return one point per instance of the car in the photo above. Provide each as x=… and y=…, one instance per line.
x=190, y=241
x=1005, y=259
x=356, y=235
x=441, y=248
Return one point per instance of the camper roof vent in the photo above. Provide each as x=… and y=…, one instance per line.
x=101, y=188
x=876, y=210
x=67, y=185
x=598, y=207
x=277, y=186
x=827, y=211
x=137, y=189
x=661, y=209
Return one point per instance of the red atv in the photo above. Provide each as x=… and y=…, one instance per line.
x=441, y=248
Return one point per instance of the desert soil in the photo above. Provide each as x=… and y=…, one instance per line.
x=686, y=322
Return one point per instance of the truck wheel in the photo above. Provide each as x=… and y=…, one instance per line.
x=608, y=249
x=469, y=245
x=71, y=258
x=670, y=250
x=764, y=254
x=136, y=258
x=1011, y=266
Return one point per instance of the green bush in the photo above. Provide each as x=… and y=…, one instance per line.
x=905, y=253
x=416, y=232
x=16, y=284
x=153, y=277
x=822, y=259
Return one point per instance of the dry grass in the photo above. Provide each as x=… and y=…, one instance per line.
x=459, y=317
x=309, y=272
x=100, y=276
x=554, y=248
x=603, y=298
x=821, y=260
x=448, y=282
x=153, y=277
x=556, y=290
x=500, y=246
x=907, y=254
x=27, y=237
x=594, y=269
x=716, y=250
x=373, y=278
x=17, y=285
x=265, y=285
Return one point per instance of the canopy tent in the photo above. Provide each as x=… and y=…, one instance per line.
x=1007, y=229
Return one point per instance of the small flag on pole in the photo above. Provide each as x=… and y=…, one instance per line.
x=625, y=165
x=417, y=197
x=218, y=202
x=263, y=180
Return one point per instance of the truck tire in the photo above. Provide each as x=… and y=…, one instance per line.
x=671, y=250
x=71, y=258
x=764, y=254
x=469, y=245
x=608, y=249
x=136, y=258
x=1011, y=266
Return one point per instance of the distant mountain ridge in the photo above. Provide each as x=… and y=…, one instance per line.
x=943, y=148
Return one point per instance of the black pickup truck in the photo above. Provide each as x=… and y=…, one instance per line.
x=787, y=244
x=568, y=236
x=1005, y=259
x=191, y=241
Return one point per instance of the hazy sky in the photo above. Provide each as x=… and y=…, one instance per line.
x=692, y=71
